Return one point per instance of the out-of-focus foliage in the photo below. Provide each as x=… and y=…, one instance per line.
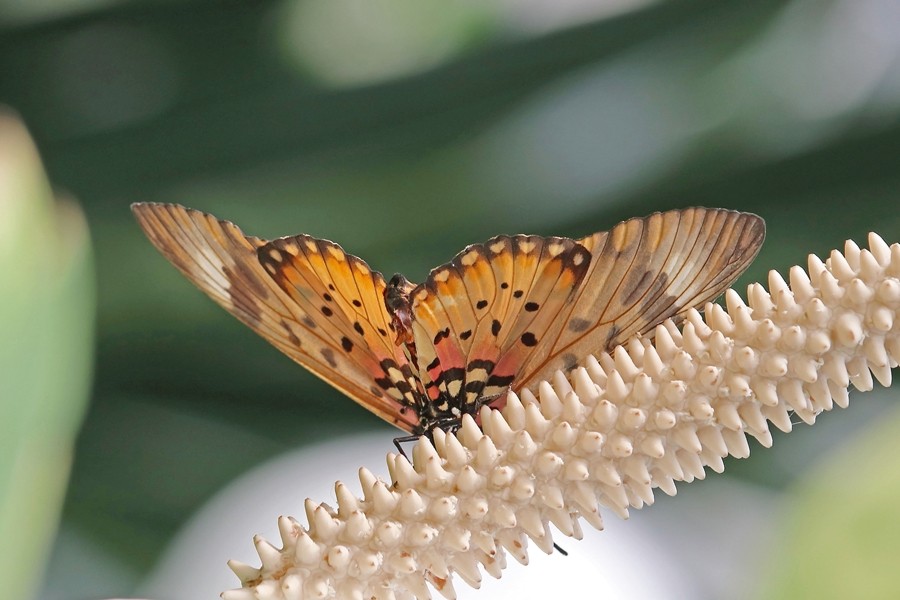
x=404, y=137
x=842, y=525
x=46, y=348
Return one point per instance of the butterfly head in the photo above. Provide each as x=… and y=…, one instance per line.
x=396, y=294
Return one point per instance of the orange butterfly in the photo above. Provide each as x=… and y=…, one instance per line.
x=504, y=314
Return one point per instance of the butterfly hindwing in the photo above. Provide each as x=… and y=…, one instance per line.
x=344, y=298
x=479, y=317
x=232, y=269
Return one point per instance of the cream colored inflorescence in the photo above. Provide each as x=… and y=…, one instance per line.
x=647, y=416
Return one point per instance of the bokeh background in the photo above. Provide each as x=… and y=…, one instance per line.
x=405, y=130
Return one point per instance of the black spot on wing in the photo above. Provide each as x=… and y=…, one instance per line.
x=481, y=304
x=398, y=387
x=613, y=332
x=346, y=344
x=475, y=387
x=440, y=335
x=532, y=306
x=243, y=290
x=328, y=355
x=327, y=311
x=487, y=365
x=243, y=276
x=404, y=387
x=358, y=328
x=500, y=380
x=637, y=286
x=445, y=377
x=291, y=335
x=528, y=339
x=465, y=334
x=495, y=328
x=579, y=325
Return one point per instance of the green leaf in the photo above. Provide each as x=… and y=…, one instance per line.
x=47, y=320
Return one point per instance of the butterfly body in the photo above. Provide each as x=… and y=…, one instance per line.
x=501, y=315
x=398, y=305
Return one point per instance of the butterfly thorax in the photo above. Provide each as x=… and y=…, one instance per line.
x=396, y=300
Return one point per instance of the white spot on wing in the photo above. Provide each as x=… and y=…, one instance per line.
x=216, y=275
x=477, y=375
x=469, y=258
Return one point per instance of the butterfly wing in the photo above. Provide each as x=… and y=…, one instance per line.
x=644, y=271
x=320, y=306
x=515, y=309
x=345, y=300
x=479, y=317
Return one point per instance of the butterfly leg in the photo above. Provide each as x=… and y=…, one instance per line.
x=559, y=549
x=449, y=424
x=403, y=440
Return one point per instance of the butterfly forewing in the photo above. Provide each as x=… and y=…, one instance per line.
x=219, y=259
x=644, y=271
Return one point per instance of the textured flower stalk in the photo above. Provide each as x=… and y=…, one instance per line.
x=647, y=416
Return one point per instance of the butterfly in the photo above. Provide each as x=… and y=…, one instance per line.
x=505, y=314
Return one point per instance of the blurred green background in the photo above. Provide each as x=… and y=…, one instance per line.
x=405, y=130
